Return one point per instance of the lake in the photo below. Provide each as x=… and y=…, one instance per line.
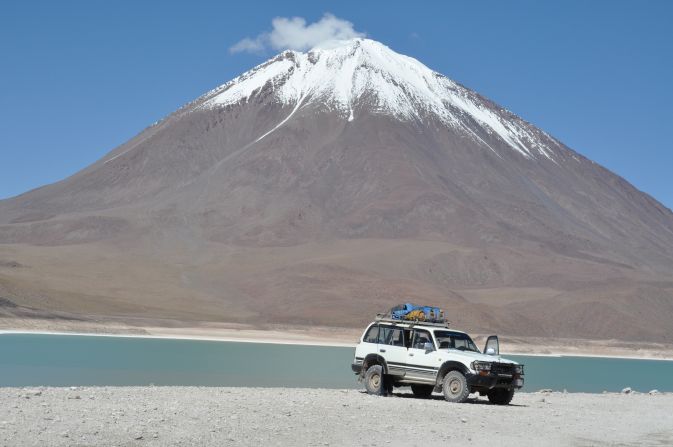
x=66, y=360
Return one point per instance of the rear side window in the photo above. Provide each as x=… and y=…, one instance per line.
x=393, y=336
x=372, y=335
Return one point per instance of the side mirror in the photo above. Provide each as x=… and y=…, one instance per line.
x=428, y=347
x=492, y=345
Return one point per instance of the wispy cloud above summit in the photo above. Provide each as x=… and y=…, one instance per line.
x=294, y=33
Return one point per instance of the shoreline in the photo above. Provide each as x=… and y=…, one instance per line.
x=262, y=337
x=183, y=337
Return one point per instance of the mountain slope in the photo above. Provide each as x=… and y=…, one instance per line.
x=320, y=187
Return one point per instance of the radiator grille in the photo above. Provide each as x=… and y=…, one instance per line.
x=502, y=368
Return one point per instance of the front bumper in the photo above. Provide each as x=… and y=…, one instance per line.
x=491, y=381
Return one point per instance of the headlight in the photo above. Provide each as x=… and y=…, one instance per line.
x=518, y=369
x=481, y=366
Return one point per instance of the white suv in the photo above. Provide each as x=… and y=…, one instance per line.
x=431, y=357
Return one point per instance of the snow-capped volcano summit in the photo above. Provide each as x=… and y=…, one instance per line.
x=346, y=76
x=322, y=187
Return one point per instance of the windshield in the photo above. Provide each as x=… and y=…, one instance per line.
x=455, y=340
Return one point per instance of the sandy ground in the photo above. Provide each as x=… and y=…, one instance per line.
x=329, y=336
x=158, y=416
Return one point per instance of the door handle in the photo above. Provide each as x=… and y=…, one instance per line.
x=382, y=350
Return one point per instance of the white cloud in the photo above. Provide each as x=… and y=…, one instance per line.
x=249, y=45
x=294, y=34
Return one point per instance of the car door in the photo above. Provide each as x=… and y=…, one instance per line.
x=492, y=346
x=392, y=348
x=422, y=360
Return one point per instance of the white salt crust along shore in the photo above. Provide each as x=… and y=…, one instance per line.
x=187, y=416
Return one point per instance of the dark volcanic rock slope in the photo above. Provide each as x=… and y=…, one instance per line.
x=348, y=178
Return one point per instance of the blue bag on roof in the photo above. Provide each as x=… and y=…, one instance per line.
x=414, y=312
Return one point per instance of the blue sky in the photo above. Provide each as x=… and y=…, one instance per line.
x=78, y=78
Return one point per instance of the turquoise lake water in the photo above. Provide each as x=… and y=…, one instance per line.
x=65, y=360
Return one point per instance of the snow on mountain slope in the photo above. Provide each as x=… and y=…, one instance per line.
x=342, y=75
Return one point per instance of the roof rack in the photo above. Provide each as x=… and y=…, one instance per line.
x=386, y=319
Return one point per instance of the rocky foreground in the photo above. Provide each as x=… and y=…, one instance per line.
x=188, y=416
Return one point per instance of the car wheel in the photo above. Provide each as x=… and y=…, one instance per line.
x=454, y=387
x=374, y=383
x=500, y=396
x=422, y=390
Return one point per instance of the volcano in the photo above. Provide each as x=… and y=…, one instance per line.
x=321, y=187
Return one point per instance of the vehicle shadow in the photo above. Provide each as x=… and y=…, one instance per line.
x=439, y=397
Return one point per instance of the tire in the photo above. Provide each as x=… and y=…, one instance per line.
x=454, y=387
x=500, y=396
x=423, y=391
x=374, y=381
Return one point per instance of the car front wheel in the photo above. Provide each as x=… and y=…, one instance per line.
x=454, y=387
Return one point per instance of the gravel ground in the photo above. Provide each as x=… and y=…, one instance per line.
x=188, y=416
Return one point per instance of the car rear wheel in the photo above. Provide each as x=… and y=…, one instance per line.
x=500, y=396
x=422, y=390
x=374, y=383
x=454, y=387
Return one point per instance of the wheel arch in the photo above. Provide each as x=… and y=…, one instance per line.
x=448, y=366
x=374, y=359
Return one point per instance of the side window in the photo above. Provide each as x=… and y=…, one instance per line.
x=421, y=337
x=372, y=334
x=389, y=335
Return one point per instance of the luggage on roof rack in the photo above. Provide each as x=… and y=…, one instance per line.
x=414, y=312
